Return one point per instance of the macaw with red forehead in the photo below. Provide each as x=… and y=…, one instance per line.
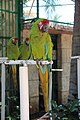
x=41, y=48
x=12, y=49
x=25, y=50
x=13, y=54
x=40, y=40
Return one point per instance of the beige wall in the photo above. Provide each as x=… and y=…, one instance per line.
x=64, y=60
x=33, y=88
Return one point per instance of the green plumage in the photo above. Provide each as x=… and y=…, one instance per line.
x=12, y=50
x=13, y=54
x=40, y=42
x=41, y=46
x=24, y=51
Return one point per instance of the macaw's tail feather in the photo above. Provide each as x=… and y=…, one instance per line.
x=14, y=76
x=44, y=83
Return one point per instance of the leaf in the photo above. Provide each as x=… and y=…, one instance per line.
x=68, y=110
x=54, y=104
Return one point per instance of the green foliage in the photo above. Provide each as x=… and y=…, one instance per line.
x=15, y=110
x=68, y=111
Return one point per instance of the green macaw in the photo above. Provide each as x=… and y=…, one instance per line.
x=40, y=42
x=25, y=50
x=13, y=54
x=41, y=46
x=12, y=50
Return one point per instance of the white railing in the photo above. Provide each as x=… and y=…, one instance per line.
x=24, y=92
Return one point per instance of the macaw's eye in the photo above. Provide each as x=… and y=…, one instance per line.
x=14, y=41
x=45, y=27
x=27, y=42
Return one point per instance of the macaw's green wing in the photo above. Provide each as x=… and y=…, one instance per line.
x=12, y=51
x=25, y=52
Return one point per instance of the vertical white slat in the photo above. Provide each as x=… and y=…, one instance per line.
x=50, y=90
x=50, y=95
x=24, y=93
x=78, y=82
x=78, y=77
x=3, y=92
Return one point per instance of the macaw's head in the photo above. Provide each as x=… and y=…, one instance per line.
x=43, y=25
x=14, y=40
x=27, y=41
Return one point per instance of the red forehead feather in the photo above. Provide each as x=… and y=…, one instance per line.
x=45, y=22
x=16, y=38
x=27, y=39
